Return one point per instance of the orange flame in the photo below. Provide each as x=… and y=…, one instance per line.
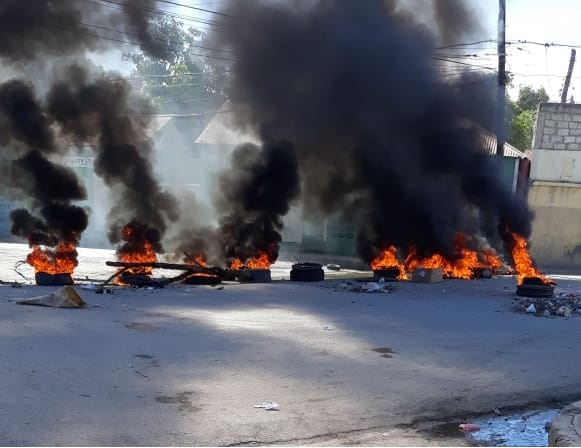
x=143, y=253
x=492, y=260
x=387, y=259
x=262, y=262
x=462, y=266
x=60, y=260
x=522, y=260
x=198, y=260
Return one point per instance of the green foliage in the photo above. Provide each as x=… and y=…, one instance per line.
x=529, y=98
x=522, y=129
x=183, y=82
x=521, y=115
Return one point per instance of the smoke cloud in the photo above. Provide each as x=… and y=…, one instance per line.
x=79, y=109
x=104, y=111
x=378, y=132
x=48, y=187
x=255, y=193
x=49, y=28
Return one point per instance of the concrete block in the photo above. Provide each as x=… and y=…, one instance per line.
x=559, y=146
x=577, y=139
x=569, y=139
x=427, y=275
x=576, y=117
x=562, y=124
x=573, y=147
x=563, y=132
x=549, y=123
x=556, y=139
x=549, y=131
x=575, y=132
x=573, y=125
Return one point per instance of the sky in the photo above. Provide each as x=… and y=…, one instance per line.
x=553, y=21
x=543, y=21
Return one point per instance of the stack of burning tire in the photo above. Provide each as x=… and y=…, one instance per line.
x=307, y=272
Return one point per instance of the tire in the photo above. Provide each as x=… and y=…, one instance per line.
x=46, y=279
x=254, y=276
x=307, y=272
x=529, y=290
x=202, y=280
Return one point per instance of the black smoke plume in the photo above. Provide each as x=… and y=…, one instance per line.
x=35, y=29
x=255, y=193
x=103, y=111
x=379, y=133
x=47, y=33
x=48, y=187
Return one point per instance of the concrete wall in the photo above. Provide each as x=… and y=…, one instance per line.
x=556, y=237
x=557, y=143
x=555, y=191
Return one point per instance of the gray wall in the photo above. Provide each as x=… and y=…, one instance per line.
x=555, y=191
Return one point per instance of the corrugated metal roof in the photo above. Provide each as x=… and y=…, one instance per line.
x=488, y=145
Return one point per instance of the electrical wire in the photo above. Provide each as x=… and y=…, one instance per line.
x=153, y=38
x=196, y=8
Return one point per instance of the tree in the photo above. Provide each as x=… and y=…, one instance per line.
x=529, y=98
x=522, y=127
x=184, y=81
x=521, y=116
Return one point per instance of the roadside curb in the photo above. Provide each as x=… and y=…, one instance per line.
x=566, y=427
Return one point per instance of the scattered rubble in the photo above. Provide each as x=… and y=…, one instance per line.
x=364, y=286
x=562, y=304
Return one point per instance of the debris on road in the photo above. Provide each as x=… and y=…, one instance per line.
x=66, y=297
x=468, y=427
x=531, y=308
x=361, y=286
x=327, y=328
x=427, y=275
x=562, y=304
x=268, y=406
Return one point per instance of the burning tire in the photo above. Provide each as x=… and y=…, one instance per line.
x=535, y=287
x=202, y=280
x=307, y=272
x=46, y=279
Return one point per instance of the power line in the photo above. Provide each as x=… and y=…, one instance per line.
x=196, y=8
x=462, y=63
x=152, y=12
x=543, y=44
x=466, y=44
x=153, y=38
x=172, y=50
x=163, y=11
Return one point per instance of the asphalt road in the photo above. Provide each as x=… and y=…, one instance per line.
x=186, y=365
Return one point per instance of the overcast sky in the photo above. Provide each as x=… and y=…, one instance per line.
x=553, y=21
x=543, y=21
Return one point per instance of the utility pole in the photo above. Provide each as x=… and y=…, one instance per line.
x=501, y=49
x=568, y=77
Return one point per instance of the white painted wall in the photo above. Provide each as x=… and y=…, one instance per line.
x=551, y=165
